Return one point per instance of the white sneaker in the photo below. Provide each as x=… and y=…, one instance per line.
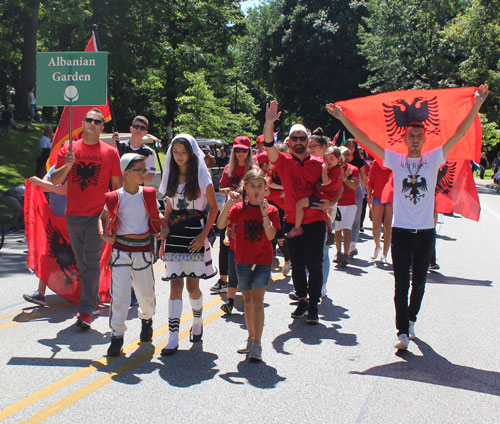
x=402, y=343
x=323, y=290
x=375, y=253
x=383, y=260
x=286, y=268
x=411, y=330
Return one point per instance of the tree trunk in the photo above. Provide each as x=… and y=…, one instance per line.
x=28, y=52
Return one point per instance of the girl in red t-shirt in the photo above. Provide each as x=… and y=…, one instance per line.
x=256, y=222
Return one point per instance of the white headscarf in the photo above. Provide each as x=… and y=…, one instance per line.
x=204, y=176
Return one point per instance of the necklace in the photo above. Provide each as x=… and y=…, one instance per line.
x=413, y=176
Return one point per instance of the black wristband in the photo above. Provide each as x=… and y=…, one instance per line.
x=268, y=143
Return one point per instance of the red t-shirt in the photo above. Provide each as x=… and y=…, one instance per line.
x=90, y=176
x=251, y=244
x=232, y=181
x=330, y=191
x=349, y=195
x=379, y=177
x=299, y=180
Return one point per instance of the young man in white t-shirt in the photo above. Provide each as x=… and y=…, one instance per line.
x=415, y=176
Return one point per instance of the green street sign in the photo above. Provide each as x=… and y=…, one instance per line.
x=71, y=78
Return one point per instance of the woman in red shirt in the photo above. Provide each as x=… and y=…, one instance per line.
x=240, y=162
x=379, y=177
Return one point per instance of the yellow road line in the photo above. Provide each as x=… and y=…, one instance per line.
x=94, y=366
x=108, y=377
x=158, y=267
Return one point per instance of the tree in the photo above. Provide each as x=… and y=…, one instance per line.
x=402, y=41
x=205, y=116
x=314, y=57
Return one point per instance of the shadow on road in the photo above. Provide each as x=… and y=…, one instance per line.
x=259, y=375
x=433, y=368
x=437, y=278
x=315, y=334
x=188, y=367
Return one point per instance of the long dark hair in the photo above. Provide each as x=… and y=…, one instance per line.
x=192, y=187
x=355, y=154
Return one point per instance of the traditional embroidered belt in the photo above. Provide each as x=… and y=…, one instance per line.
x=133, y=242
x=177, y=216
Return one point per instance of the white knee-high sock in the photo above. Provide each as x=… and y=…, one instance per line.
x=174, y=319
x=197, y=305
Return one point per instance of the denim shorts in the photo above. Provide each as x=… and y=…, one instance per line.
x=377, y=202
x=249, y=278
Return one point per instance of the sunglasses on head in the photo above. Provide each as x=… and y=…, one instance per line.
x=139, y=127
x=298, y=138
x=239, y=150
x=95, y=121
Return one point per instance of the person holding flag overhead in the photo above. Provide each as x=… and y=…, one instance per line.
x=415, y=175
x=90, y=167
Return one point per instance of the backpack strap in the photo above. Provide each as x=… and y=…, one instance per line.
x=150, y=202
x=112, y=202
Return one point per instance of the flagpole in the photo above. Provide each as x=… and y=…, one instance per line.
x=70, y=134
x=112, y=111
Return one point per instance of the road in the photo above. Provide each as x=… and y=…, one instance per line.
x=344, y=370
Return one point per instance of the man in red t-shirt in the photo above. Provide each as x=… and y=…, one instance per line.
x=299, y=173
x=90, y=167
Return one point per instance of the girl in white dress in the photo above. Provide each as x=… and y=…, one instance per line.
x=188, y=188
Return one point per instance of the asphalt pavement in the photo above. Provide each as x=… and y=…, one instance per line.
x=344, y=370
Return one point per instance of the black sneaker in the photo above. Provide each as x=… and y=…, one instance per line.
x=219, y=287
x=115, y=348
x=434, y=267
x=228, y=306
x=36, y=298
x=312, y=315
x=293, y=296
x=147, y=330
x=301, y=310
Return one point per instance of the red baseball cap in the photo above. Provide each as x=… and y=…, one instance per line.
x=242, y=142
x=262, y=158
x=260, y=139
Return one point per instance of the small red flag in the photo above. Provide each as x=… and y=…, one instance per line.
x=384, y=117
x=61, y=134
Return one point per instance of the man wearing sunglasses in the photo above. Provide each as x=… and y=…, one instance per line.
x=299, y=173
x=90, y=167
x=138, y=130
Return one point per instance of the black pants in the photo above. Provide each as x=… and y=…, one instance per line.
x=306, y=250
x=415, y=248
x=223, y=254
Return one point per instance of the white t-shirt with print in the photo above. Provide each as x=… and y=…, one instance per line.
x=414, y=187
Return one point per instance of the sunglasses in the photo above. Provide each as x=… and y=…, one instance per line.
x=240, y=150
x=139, y=171
x=139, y=127
x=95, y=121
x=295, y=138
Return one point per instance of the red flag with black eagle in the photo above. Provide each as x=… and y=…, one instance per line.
x=50, y=254
x=384, y=118
x=456, y=190
x=49, y=251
